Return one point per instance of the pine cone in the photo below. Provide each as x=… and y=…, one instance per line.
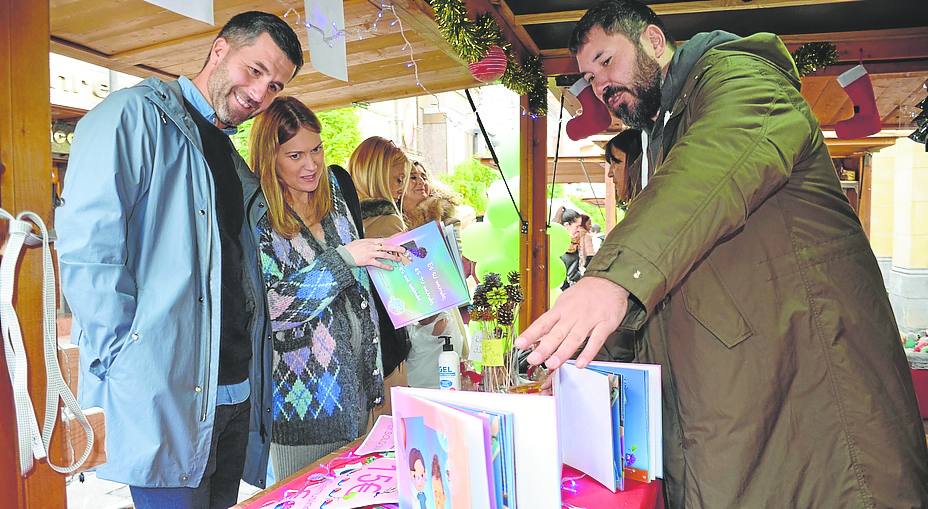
x=505, y=316
x=492, y=280
x=497, y=297
x=515, y=294
x=513, y=278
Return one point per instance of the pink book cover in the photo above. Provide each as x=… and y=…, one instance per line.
x=441, y=455
x=346, y=483
x=427, y=281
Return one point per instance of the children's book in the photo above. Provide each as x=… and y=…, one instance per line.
x=470, y=450
x=428, y=280
x=622, y=405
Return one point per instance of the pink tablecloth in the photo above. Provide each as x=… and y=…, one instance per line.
x=920, y=378
x=578, y=491
x=586, y=493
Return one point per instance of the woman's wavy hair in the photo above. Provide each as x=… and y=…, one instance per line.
x=282, y=120
x=370, y=166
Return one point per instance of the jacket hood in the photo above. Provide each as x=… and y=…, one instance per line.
x=377, y=207
x=765, y=45
x=685, y=58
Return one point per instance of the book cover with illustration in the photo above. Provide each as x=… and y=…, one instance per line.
x=428, y=280
x=469, y=450
x=349, y=483
x=622, y=404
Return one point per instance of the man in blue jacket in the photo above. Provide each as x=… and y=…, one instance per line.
x=159, y=264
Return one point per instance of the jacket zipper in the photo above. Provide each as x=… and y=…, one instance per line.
x=205, y=360
x=204, y=408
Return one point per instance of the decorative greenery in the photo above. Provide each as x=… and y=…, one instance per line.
x=340, y=135
x=471, y=39
x=471, y=180
x=813, y=56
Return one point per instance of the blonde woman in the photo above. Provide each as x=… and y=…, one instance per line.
x=425, y=200
x=380, y=171
x=327, y=369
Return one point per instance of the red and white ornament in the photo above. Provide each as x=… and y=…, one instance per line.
x=491, y=67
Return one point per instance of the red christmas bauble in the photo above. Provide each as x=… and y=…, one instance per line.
x=491, y=67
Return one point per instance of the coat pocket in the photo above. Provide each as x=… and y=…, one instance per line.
x=710, y=303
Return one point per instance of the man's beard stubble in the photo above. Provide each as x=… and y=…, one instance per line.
x=646, y=90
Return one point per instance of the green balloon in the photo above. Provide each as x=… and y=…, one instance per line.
x=558, y=239
x=501, y=213
x=498, y=264
x=508, y=242
x=477, y=241
x=557, y=272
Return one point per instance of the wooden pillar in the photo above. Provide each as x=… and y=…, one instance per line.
x=533, y=251
x=25, y=184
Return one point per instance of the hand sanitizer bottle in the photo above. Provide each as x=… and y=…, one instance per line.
x=449, y=367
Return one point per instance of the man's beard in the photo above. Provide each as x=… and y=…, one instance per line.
x=221, y=94
x=646, y=93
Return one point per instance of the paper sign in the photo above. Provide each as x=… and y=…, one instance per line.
x=200, y=10
x=325, y=25
x=380, y=439
x=493, y=352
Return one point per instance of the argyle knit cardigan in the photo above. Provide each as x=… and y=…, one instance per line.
x=321, y=384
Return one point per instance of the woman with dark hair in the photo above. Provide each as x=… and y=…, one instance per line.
x=327, y=365
x=623, y=153
x=575, y=257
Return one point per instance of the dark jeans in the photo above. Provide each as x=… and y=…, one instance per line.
x=223, y=474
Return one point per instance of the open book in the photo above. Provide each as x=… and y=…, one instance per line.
x=429, y=280
x=619, y=436
x=475, y=450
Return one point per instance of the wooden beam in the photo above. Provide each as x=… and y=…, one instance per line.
x=533, y=251
x=522, y=43
x=80, y=52
x=870, y=45
x=25, y=184
x=667, y=9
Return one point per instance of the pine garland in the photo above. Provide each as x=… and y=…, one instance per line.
x=472, y=39
x=813, y=56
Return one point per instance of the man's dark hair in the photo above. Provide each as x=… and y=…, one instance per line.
x=244, y=28
x=628, y=141
x=626, y=17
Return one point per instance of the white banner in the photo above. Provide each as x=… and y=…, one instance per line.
x=325, y=25
x=200, y=10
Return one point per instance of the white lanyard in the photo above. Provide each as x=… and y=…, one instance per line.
x=33, y=444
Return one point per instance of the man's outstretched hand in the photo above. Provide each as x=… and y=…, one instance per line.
x=593, y=308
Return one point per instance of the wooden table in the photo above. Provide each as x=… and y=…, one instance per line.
x=583, y=493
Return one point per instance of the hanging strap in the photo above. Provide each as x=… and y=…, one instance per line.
x=32, y=443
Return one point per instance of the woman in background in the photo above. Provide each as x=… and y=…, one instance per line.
x=380, y=171
x=623, y=155
x=327, y=365
x=425, y=200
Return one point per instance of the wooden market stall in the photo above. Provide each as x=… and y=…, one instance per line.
x=142, y=39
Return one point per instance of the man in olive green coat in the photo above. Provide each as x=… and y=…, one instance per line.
x=784, y=383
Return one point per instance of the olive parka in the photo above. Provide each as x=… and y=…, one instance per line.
x=784, y=382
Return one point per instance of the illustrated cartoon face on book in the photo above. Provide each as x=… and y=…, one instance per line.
x=429, y=472
x=412, y=250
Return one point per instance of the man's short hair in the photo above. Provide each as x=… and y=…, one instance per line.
x=244, y=28
x=626, y=17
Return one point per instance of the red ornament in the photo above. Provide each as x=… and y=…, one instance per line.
x=491, y=67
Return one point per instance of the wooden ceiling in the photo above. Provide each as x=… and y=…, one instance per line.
x=139, y=38
x=889, y=36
